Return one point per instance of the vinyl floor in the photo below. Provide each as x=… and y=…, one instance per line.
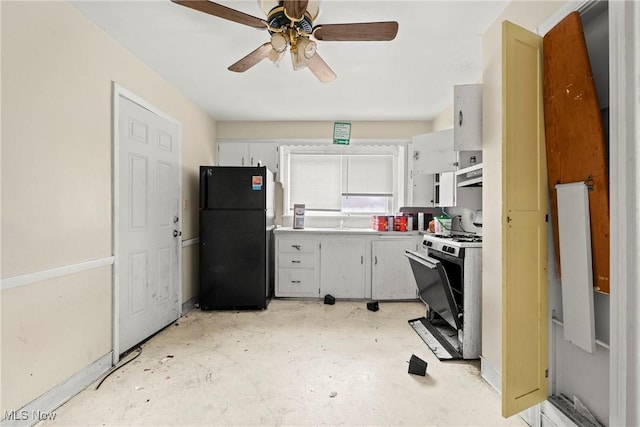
x=297, y=363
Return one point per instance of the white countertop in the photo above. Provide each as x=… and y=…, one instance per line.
x=345, y=230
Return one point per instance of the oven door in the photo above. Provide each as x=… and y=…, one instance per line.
x=434, y=287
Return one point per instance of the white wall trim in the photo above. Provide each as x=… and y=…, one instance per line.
x=47, y=403
x=53, y=273
x=491, y=375
x=120, y=91
x=624, y=359
x=190, y=242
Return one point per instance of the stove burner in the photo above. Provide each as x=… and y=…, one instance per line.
x=460, y=237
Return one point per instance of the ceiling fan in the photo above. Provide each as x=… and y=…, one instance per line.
x=290, y=24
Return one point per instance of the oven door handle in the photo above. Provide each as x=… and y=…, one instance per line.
x=418, y=258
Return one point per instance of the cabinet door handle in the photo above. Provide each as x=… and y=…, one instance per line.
x=296, y=261
x=252, y=161
x=375, y=258
x=460, y=117
x=295, y=281
x=361, y=259
x=297, y=247
x=243, y=161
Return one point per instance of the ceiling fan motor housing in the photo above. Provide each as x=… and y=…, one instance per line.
x=278, y=19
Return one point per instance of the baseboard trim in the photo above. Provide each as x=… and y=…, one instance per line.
x=53, y=273
x=491, y=375
x=43, y=407
x=190, y=242
x=187, y=306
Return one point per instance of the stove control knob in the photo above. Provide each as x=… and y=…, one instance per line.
x=445, y=248
x=429, y=243
x=451, y=250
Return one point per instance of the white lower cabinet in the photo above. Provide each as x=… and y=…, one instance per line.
x=391, y=275
x=342, y=267
x=297, y=267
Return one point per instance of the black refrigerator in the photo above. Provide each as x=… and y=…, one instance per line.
x=236, y=228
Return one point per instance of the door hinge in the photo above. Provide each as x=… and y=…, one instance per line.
x=508, y=219
x=546, y=373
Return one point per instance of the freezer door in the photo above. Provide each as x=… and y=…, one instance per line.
x=234, y=260
x=434, y=287
x=231, y=187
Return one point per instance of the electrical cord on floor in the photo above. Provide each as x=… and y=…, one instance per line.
x=115, y=368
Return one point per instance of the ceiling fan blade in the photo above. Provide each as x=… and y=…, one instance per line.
x=295, y=9
x=365, y=31
x=320, y=69
x=224, y=12
x=251, y=59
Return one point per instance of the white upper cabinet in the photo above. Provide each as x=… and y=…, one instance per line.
x=467, y=117
x=248, y=154
x=433, y=152
x=446, y=191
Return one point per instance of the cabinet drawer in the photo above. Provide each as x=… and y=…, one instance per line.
x=297, y=246
x=297, y=260
x=297, y=282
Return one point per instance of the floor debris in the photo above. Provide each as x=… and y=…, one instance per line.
x=417, y=366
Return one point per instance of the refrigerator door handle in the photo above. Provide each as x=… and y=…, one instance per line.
x=204, y=173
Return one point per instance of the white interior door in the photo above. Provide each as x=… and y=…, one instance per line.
x=148, y=241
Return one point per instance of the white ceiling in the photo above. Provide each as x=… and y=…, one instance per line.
x=439, y=45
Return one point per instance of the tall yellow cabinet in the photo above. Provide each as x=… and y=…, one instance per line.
x=524, y=229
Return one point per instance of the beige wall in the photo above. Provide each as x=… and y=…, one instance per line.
x=528, y=14
x=320, y=130
x=57, y=73
x=444, y=119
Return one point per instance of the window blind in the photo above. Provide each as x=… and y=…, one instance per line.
x=315, y=180
x=369, y=175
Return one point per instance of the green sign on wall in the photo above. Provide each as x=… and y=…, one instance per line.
x=341, y=133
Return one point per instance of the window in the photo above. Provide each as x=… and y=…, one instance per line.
x=342, y=180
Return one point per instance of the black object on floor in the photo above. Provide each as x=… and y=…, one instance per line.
x=373, y=306
x=417, y=366
x=329, y=299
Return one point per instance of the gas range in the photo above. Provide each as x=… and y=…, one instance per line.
x=448, y=273
x=453, y=244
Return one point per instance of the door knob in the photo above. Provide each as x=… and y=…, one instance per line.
x=177, y=233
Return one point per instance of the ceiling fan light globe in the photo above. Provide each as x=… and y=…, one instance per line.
x=310, y=49
x=275, y=57
x=298, y=59
x=279, y=42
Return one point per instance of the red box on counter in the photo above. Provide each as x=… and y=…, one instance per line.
x=379, y=223
x=400, y=223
